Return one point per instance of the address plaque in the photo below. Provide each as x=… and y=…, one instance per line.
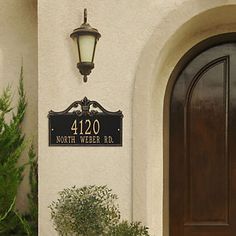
x=91, y=125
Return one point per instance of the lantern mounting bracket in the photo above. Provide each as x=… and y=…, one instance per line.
x=85, y=15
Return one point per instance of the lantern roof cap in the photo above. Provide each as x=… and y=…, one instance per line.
x=85, y=28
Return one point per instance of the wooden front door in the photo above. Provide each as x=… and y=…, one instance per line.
x=202, y=141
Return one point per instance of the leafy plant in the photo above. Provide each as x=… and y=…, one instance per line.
x=91, y=211
x=87, y=211
x=12, y=144
x=129, y=229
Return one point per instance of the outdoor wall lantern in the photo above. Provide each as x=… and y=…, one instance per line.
x=86, y=39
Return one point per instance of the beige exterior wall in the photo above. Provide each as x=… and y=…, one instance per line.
x=140, y=45
x=18, y=40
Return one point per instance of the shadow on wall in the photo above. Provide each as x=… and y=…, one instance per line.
x=18, y=40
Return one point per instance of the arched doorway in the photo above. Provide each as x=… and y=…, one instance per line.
x=202, y=153
x=198, y=21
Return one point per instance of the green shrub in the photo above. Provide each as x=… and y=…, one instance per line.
x=32, y=216
x=128, y=229
x=91, y=211
x=12, y=144
x=87, y=211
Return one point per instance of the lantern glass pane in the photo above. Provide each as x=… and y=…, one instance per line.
x=75, y=49
x=86, y=46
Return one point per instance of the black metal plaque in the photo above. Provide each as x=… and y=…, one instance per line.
x=85, y=127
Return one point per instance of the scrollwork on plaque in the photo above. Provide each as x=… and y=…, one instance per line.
x=87, y=108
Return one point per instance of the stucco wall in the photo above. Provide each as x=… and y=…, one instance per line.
x=18, y=40
x=135, y=35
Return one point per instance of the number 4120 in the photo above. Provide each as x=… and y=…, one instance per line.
x=86, y=127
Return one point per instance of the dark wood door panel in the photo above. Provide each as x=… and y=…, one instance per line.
x=202, y=146
x=206, y=151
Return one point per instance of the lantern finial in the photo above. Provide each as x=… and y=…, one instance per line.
x=85, y=15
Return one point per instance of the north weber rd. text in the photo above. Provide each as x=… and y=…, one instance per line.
x=93, y=139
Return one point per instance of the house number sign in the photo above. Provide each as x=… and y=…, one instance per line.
x=91, y=125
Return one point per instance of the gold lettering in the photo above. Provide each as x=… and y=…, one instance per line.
x=82, y=139
x=65, y=139
x=74, y=127
x=108, y=139
x=58, y=139
x=96, y=126
x=72, y=139
x=105, y=139
x=88, y=130
x=89, y=139
x=94, y=139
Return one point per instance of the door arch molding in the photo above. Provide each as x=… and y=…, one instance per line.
x=152, y=85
